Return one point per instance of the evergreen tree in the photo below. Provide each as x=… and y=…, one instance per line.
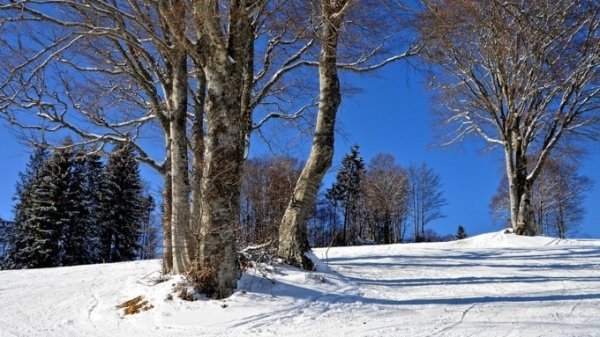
x=14, y=230
x=93, y=184
x=346, y=188
x=37, y=160
x=461, y=233
x=121, y=205
x=42, y=214
x=77, y=236
x=149, y=232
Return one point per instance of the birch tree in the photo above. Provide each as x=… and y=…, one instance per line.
x=523, y=76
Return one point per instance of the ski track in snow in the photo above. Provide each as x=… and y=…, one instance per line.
x=490, y=285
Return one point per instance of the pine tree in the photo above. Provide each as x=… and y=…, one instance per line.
x=37, y=160
x=461, y=233
x=42, y=214
x=121, y=205
x=346, y=188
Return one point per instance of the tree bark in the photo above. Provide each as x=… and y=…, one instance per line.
x=293, y=240
x=221, y=186
x=197, y=166
x=167, y=266
x=519, y=191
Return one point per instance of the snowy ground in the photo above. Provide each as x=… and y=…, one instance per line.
x=490, y=285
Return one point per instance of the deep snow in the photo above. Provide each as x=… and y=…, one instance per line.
x=490, y=285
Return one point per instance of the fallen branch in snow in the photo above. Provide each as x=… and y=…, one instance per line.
x=135, y=305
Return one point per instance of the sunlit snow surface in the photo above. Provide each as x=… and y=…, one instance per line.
x=490, y=285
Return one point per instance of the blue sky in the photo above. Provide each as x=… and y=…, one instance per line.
x=390, y=114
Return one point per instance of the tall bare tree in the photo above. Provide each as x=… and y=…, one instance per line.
x=267, y=185
x=426, y=198
x=519, y=75
x=334, y=23
x=386, y=194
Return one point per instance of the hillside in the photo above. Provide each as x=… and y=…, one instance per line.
x=490, y=285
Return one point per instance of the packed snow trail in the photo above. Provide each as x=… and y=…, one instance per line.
x=490, y=285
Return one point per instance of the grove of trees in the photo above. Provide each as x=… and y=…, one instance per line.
x=375, y=203
x=204, y=74
x=72, y=209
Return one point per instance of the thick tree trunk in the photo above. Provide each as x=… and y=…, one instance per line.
x=525, y=224
x=180, y=223
x=197, y=167
x=223, y=57
x=221, y=187
x=521, y=217
x=293, y=240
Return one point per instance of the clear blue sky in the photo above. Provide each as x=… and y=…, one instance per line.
x=390, y=114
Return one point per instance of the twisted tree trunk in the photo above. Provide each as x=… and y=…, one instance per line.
x=293, y=240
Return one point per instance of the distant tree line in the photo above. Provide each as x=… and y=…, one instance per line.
x=376, y=203
x=73, y=209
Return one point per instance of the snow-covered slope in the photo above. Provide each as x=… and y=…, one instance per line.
x=490, y=285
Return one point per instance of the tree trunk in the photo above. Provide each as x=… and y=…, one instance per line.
x=167, y=266
x=221, y=186
x=180, y=223
x=197, y=166
x=293, y=240
x=519, y=191
x=223, y=57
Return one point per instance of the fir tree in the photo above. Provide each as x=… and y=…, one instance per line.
x=346, y=188
x=149, y=232
x=461, y=233
x=77, y=236
x=37, y=160
x=14, y=230
x=43, y=214
x=93, y=184
x=121, y=206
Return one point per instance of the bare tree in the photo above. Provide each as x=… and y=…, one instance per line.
x=267, y=185
x=334, y=22
x=386, y=192
x=556, y=199
x=519, y=75
x=426, y=198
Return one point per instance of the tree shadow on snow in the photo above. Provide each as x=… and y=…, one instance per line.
x=308, y=294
